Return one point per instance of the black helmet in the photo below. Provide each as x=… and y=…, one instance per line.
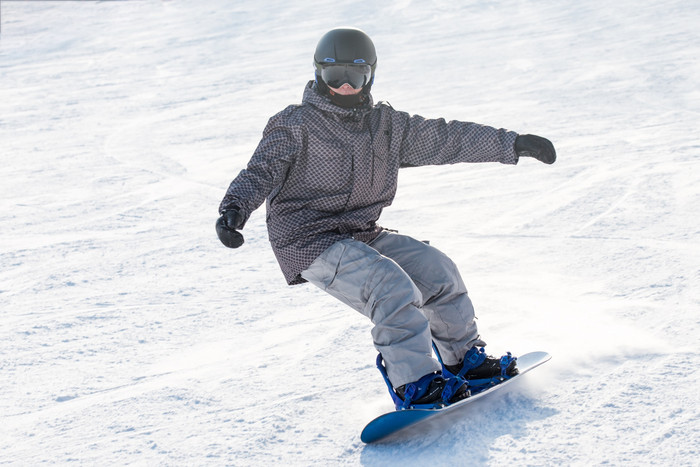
x=345, y=55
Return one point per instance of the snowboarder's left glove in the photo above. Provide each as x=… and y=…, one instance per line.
x=226, y=227
x=540, y=148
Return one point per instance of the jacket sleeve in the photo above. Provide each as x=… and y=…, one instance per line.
x=266, y=169
x=437, y=142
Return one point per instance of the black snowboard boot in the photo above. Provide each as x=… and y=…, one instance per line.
x=476, y=365
x=432, y=389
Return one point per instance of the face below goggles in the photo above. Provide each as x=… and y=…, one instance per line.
x=356, y=75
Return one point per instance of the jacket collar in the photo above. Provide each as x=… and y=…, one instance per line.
x=313, y=97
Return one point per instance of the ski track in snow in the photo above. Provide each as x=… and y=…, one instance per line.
x=131, y=336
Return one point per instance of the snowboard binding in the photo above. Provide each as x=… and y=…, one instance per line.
x=452, y=389
x=474, y=359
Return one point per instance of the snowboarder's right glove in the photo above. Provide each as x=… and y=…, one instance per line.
x=226, y=227
x=540, y=148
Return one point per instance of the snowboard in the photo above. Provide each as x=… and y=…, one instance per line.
x=393, y=422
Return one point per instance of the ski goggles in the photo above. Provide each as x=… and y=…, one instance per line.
x=356, y=75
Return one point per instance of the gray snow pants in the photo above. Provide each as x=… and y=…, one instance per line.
x=412, y=293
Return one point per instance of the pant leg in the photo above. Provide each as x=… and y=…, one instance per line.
x=377, y=287
x=444, y=296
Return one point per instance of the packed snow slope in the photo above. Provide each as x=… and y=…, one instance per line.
x=131, y=336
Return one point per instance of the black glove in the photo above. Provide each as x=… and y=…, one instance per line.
x=226, y=227
x=540, y=148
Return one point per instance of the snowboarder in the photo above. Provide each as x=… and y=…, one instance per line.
x=327, y=168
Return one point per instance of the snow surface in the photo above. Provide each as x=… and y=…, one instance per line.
x=130, y=335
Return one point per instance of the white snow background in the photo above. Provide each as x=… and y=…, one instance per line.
x=131, y=336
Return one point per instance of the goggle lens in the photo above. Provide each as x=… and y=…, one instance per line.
x=337, y=74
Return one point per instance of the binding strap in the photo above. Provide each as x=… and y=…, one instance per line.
x=506, y=360
x=415, y=391
x=472, y=359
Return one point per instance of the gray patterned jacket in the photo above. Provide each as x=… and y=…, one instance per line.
x=327, y=172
